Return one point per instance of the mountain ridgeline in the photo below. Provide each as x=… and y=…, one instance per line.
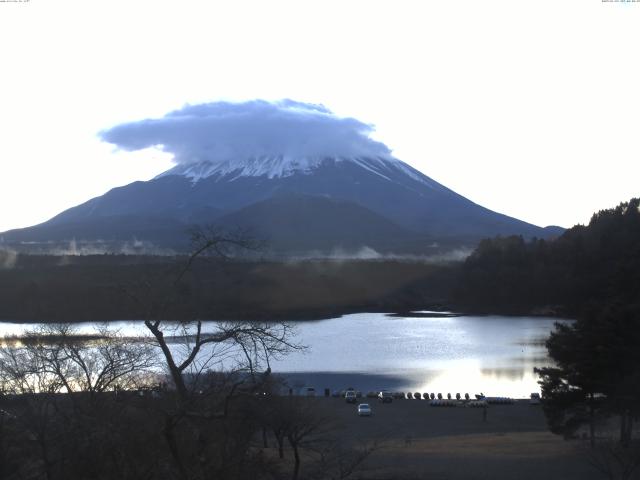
x=296, y=205
x=581, y=271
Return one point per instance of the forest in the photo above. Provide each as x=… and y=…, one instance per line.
x=586, y=268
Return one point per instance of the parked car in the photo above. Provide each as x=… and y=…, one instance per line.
x=310, y=392
x=385, y=397
x=350, y=396
x=364, y=410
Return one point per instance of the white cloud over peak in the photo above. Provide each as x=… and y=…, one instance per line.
x=223, y=131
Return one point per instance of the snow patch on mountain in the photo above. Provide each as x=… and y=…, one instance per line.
x=278, y=166
x=281, y=166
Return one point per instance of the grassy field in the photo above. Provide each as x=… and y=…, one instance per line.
x=415, y=440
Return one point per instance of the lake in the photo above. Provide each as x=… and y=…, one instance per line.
x=372, y=351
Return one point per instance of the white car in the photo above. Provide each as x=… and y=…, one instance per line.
x=364, y=410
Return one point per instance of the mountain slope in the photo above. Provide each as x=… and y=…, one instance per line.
x=297, y=223
x=386, y=190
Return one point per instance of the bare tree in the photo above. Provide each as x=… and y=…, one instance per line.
x=339, y=462
x=237, y=346
x=314, y=438
x=210, y=364
x=54, y=358
x=23, y=373
x=306, y=428
x=613, y=459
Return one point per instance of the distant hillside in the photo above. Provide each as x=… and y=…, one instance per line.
x=584, y=267
x=296, y=223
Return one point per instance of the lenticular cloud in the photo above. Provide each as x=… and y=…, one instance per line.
x=223, y=131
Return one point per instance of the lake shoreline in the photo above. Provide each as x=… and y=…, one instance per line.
x=429, y=352
x=438, y=310
x=336, y=382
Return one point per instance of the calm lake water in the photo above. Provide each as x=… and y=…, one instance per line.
x=371, y=351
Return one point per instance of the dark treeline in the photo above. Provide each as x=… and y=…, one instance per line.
x=104, y=287
x=585, y=267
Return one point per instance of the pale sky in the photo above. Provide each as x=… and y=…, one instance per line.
x=530, y=108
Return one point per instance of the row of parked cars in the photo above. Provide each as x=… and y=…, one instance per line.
x=364, y=409
x=351, y=396
x=386, y=396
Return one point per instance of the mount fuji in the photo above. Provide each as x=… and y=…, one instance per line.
x=298, y=204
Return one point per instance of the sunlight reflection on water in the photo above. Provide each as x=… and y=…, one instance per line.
x=491, y=354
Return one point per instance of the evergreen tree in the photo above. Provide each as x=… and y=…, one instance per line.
x=597, y=373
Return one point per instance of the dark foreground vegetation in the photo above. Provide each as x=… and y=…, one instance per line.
x=82, y=410
x=123, y=437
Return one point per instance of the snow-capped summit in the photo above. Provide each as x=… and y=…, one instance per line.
x=277, y=166
x=281, y=166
